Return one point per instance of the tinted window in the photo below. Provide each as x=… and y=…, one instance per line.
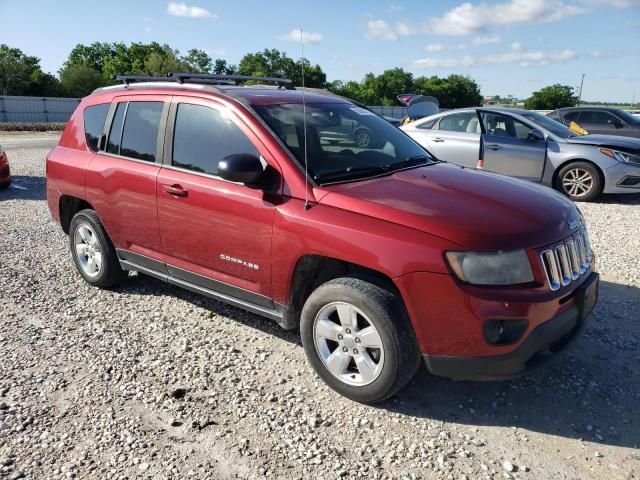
x=115, y=134
x=202, y=137
x=94, y=118
x=140, y=134
x=594, y=116
x=554, y=127
x=460, y=122
x=344, y=141
x=571, y=116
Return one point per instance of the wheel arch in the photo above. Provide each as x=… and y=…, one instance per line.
x=556, y=173
x=312, y=270
x=68, y=206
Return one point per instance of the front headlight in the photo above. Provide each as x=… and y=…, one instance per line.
x=620, y=156
x=491, y=268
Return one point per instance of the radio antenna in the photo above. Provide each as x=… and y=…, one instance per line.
x=307, y=206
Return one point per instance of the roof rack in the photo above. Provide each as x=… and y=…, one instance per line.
x=205, y=78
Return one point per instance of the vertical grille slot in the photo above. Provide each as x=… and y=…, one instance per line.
x=551, y=269
x=573, y=259
x=567, y=261
x=563, y=264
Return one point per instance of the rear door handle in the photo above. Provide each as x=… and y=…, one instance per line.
x=494, y=146
x=175, y=190
x=438, y=139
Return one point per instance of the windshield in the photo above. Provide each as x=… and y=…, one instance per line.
x=553, y=126
x=628, y=117
x=344, y=141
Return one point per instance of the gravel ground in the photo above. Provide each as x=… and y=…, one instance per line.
x=149, y=381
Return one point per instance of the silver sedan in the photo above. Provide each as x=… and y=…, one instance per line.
x=530, y=146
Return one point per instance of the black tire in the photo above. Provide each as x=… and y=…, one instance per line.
x=110, y=273
x=387, y=313
x=566, y=174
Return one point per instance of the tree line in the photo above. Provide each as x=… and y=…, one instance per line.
x=92, y=66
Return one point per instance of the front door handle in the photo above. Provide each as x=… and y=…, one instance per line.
x=438, y=139
x=176, y=190
x=494, y=146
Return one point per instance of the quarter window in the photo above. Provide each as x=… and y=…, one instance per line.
x=94, y=117
x=571, y=116
x=134, y=130
x=203, y=136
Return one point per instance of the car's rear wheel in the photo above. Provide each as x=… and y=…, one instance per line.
x=93, y=253
x=363, y=138
x=580, y=181
x=358, y=339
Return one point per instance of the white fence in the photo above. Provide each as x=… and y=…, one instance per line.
x=36, y=109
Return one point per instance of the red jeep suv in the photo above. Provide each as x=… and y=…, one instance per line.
x=380, y=254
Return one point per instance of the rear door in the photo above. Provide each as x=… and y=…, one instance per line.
x=215, y=233
x=508, y=148
x=456, y=138
x=121, y=178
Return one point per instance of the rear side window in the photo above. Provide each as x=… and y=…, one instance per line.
x=571, y=116
x=134, y=130
x=466, y=122
x=202, y=137
x=94, y=118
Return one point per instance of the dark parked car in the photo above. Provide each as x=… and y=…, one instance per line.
x=609, y=121
x=381, y=256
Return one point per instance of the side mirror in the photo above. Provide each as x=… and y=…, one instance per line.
x=535, y=135
x=241, y=167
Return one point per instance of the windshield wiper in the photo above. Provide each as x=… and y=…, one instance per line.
x=408, y=162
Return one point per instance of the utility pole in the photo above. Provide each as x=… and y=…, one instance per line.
x=580, y=93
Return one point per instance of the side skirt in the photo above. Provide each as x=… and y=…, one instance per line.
x=231, y=295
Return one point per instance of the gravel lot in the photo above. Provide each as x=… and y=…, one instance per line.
x=152, y=381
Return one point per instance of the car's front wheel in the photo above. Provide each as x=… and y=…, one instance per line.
x=358, y=339
x=92, y=251
x=580, y=181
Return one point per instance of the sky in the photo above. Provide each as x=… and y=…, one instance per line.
x=510, y=47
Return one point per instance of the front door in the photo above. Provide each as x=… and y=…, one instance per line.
x=215, y=233
x=510, y=150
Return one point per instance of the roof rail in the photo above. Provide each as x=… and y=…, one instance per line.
x=205, y=78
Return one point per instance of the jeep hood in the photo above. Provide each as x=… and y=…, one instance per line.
x=475, y=209
x=611, y=141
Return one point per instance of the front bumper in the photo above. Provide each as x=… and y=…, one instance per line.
x=540, y=345
x=622, y=178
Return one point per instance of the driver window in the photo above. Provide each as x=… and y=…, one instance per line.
x=505, y=126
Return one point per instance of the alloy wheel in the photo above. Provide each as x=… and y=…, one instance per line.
x=348, y=344
x=577, y=182
x=88, y=250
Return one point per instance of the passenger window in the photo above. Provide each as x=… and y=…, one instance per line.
x=596, y=117
x=140, y=133
x=460, y=122
x=94, y=117
x=202, y=137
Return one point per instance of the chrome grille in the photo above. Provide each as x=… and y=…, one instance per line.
x=566, y=262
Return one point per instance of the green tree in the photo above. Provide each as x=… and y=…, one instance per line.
x=454, y=91
x=390, y=84
x=80, y=80
x=274, y=63
x=16, y=71
x=550, y=98
x=198, y=61
x=221, y=67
